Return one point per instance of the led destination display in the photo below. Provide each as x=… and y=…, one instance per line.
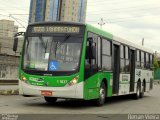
x=55, y=29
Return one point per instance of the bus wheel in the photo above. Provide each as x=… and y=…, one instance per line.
x=138, y=93
x=50, y=99
x=142, y=91
x=102, y=95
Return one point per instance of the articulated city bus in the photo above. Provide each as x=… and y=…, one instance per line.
x=79, y=61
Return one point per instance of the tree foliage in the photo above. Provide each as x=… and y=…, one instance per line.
x=156, y=65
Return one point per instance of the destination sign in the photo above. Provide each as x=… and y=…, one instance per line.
x=55, y=29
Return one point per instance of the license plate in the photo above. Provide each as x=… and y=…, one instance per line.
x=46, y=93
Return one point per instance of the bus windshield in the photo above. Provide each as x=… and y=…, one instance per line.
x=52, y=53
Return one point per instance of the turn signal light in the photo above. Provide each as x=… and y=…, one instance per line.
x=73, y=81
x=24, y=79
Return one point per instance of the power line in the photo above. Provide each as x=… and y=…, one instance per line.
x=121, y=19
x=118, y=11
x=113, y=3
x=17, y=20
x=4, y=15
x=22, y=14
x=107, y=2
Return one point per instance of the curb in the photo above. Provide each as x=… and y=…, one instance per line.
x=8, y=82
x=157, y=82
x=9, y=92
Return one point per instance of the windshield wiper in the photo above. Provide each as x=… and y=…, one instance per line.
x=26, y=48
x=59, y=45
x=43, y=43
x=27, y=42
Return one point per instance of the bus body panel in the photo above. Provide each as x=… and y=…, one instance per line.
x=124, y=84
x=75, y=91
x=92, y=85
x=50, y=81
x=143, y=75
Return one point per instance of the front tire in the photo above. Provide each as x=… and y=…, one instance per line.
x=50, y=99
x=102, y=95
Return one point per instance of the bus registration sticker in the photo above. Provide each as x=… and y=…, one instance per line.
x=53, y=65
x=46, y=93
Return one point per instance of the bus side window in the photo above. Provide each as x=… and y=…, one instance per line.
x=127, y=67
x=122, y=59
x=142, y=59
x=91, y=63
x=145, y=66
x=147, y=61
x=94, y=46
x=99, y=53
x=151, y=61
x=106, y=55
x=138, y=59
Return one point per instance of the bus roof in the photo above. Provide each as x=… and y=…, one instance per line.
x=100, y=32
x=49, y=23
x=117, y=39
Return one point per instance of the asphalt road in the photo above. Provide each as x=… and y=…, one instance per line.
x=150, y=104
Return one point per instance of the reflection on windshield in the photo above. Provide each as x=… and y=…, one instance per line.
x=58, y=53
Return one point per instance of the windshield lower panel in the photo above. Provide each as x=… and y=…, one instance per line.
x=50, y=54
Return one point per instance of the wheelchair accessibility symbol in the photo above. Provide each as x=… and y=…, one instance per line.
x=53, y=65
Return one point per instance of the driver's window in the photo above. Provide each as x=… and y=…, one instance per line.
x=95, y=45
x=91, y=64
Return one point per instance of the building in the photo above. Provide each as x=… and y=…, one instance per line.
x=7, y=31
x=7, y=28
x=8, y=59
x=73, y=10
x=57, y=10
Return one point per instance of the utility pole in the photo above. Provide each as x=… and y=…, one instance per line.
x=142, y=41
x=101, y=23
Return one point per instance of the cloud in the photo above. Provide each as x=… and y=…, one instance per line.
x=131, y=20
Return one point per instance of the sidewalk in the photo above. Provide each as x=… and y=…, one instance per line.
x=8, y=89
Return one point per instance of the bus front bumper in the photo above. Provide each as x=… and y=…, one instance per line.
x=75, y=91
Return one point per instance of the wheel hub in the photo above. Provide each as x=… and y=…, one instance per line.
x=102, y=93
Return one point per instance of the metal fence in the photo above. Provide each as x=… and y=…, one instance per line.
x=8, y=66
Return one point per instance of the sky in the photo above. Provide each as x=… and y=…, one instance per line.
x=129, y=19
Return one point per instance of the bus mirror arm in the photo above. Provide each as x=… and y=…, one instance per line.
x=19, y=34
x=88, y=54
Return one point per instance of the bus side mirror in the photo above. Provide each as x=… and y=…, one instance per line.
x=15, y=44
x=94, y=50
x=90, y=50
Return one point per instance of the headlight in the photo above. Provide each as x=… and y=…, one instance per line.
x=73, y=81
x=24, y=79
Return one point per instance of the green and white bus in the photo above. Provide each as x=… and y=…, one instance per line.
x=79, y=61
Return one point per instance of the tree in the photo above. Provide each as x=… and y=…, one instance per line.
x=156, y=65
